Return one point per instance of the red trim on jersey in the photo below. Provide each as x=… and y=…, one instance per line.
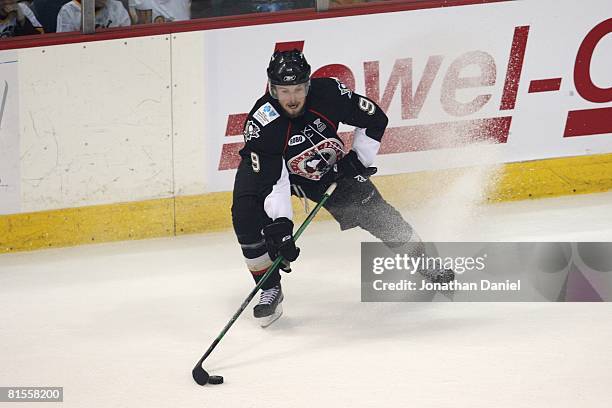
x=259, y=273
x=324, y=118
x=143, y=30
x=287, y=137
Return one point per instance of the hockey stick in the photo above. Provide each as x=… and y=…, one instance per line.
x=199, y=374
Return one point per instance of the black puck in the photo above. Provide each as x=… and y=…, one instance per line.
x=215, y=379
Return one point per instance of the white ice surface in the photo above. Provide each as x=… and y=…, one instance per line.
x=121, y=324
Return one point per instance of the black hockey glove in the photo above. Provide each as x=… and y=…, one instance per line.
x=279, y=240
x=351, y=167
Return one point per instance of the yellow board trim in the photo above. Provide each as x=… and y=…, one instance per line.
x=211, y=212
x=75, y=226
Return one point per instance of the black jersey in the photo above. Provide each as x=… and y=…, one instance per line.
x=303, y=149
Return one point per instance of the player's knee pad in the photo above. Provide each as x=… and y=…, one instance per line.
x=257, y=260
x=351, y=204
x=249, y=218
x=383, y=221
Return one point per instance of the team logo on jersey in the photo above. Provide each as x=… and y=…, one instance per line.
x=315, y=162
x=309, y=132
x=266, y=114
x=320, y=125
x=251, y=131
x=296, y=140
x=344, y=90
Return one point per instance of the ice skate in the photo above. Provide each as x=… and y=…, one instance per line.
x=269, y=308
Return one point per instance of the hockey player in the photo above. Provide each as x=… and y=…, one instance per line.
x=292, y=146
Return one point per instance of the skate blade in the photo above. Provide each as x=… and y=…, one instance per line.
x=268, y=320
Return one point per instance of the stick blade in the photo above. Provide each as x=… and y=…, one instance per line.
x=200, y=375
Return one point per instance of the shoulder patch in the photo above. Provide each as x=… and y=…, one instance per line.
x=251, y=131
x=266, y=114
x=344, y=90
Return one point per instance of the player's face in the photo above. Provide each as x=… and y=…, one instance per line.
x=292, y=98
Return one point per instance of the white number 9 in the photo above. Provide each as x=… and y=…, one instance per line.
x=367, y=106
x=255, y=162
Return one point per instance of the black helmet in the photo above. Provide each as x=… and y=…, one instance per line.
x=288, y=68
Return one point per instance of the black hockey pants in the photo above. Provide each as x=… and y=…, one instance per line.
x=353, y=204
